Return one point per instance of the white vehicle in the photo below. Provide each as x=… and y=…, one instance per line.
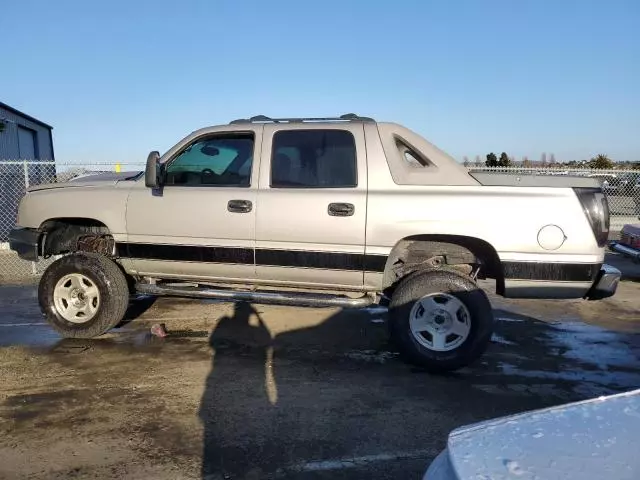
x=324, y=212
x=534, y=444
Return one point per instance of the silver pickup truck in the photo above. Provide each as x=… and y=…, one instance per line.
x=340, y=212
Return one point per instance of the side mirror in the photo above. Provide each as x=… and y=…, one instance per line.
x=152, y=177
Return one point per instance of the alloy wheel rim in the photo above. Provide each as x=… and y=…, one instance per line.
x=76, y=298
x=440, y=322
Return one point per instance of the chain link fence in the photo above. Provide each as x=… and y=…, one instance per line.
x=622, y=188
x=15, y=178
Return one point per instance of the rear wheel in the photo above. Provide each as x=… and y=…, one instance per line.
x=440, y=320
x=83, y=295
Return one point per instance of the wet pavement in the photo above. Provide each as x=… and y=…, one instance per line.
x=240, y=391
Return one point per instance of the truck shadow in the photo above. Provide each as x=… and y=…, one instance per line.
x=275, y=399
x=137, y=307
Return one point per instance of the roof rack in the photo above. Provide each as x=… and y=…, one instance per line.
x=347, y=117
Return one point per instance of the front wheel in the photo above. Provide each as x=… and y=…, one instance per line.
x=83, y=295
x=440, y=320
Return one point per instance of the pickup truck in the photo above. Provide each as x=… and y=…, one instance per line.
x=341, y=212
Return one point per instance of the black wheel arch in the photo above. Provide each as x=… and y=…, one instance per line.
x=429, y=251
x=71, y=234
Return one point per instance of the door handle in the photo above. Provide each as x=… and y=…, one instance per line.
x=239, y=206
x=341, y=209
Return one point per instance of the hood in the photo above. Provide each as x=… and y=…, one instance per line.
x=88, y=179
x=587, y=440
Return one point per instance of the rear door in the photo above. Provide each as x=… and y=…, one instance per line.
x=310, y=224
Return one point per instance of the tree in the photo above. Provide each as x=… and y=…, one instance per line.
x=504, y=160
x=492, y=160
x=601, y=161
x=465, y=161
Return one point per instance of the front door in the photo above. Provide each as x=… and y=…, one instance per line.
x=310, y=225
x=201, y=223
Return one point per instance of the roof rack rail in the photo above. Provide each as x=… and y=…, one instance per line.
x=347, y=117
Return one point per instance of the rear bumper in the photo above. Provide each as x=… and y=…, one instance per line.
x=605, y=284
x=560, y=280
x=25, y=242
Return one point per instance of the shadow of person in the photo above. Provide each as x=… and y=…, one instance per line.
x=240, y=392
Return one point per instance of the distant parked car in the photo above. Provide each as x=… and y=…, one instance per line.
x=618, y=185
x=590, y=440
x=610, y=182
x=635, y=193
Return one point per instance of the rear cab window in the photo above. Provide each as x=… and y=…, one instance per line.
x=313, y=159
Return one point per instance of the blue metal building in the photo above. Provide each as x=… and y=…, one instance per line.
x=25, y=143
x=23, y=137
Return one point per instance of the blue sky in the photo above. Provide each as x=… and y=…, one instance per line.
x=119, y=78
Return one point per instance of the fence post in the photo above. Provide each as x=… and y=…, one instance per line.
x=26, y=175
x=25, y=167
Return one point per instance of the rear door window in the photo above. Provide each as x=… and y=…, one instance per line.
x=313, y=159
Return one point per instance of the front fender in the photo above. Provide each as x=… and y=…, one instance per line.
x=104, y=204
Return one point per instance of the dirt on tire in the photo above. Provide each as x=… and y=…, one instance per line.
x=419, y=284
x=112, y=286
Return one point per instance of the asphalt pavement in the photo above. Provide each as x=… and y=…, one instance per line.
x=240, y=391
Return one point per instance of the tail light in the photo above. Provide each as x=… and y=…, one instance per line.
x=596, y=209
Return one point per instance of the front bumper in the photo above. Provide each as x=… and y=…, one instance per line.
x=25, y=242
x=605, y=284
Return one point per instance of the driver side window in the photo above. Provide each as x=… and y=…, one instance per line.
x=217, y=160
